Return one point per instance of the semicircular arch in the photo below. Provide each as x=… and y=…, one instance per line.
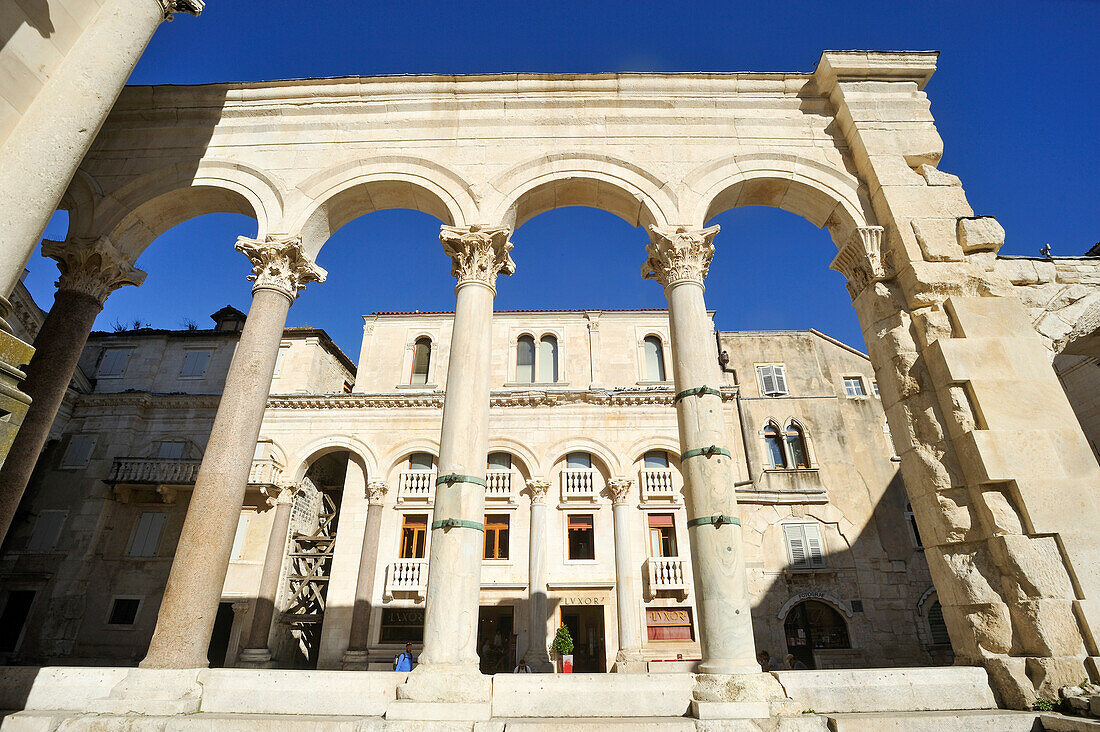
x=519, y=450
x=586, y=444
x=822, y=597
x=316, y=449
x=638, y=450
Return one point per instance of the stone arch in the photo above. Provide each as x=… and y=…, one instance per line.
x=586, y=444
x=346, y=191
x=408, y=448
x=822, y=597
x=582, y=179
x=654, y=442
x=517, y=449
x=359, y=452
x=80, y=200
x=819, y=193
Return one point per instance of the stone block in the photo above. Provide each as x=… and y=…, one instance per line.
x=1050, y=674
x=421, y=711
x=1035, y=566
x=729, y=710
x=880, y=690
x=960, y=721
x=249, y=691
x=980, y=234
x=1052, y=722
x=577, y=695
x=937, y=240
x=152, y=691
x=988, y=317
x=52, y=688
x=933, y=176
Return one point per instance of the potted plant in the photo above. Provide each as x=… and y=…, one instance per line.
x=563, y=646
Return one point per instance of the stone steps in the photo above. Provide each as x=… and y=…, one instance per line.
x=981, y=720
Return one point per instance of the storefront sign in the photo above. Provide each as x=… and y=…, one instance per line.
x=581, y=600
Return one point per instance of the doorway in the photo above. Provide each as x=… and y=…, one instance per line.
x=219, y=639
x=814, y=625
x=496, y=641
x=585, y=624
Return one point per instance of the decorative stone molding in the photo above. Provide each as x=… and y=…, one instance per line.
x=376, y=492
x=478, y=254
x=281, y=493
x=862, y=261
x=194, y=7
x=620, y=489
x=240, y=607
x=92, y=267
x=279, y=263
x=679, y=254
x=538, y=488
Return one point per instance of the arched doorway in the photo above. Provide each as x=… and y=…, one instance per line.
x=812, y=625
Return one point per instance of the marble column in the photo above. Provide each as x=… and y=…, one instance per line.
x=91, y=269
x=629, y=656
x=356, y=656
x=450, y=657
x=538, y=652
x=678, y=259
x=256, y=653
x=186, y=619
x=40, y=155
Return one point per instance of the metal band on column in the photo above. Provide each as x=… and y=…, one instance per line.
x=706, y=452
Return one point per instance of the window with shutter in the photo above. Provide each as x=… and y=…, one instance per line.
x=936, y=626
x=47, y=530
x=147, y=535
x=548, y=360
x=279, y=360
x=113, y=363
x=804, y=546
x=654, y=359
x=773, y=380
x=238, y=538
x=422, y=360
x=525, y=359
x=814, y=546
x=779, y=372
x=78, y=452
x=194, y=363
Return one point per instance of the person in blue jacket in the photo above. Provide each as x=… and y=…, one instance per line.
x=404, y=661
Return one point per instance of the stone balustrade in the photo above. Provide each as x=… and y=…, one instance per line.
x=416, y=485
x=666, y=574
x=498, y=485
x=265, y=471
x=578, y=484
x=154, y=471
x=657, y=484
x=406, y=575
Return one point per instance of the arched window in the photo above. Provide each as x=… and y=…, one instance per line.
x=654, y=359
x=548, y=360
x=777, y=457
x=656, y=459
x=421, y=461
x=525, y=359
x=936, y=627
x=422, y=360
x=812, y=625
x=796, y=444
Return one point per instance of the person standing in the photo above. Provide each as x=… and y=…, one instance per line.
x=404, y=661
x=522, y=668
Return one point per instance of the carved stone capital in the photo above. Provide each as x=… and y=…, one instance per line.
x=376, y=492
x=171, y=7
x=538, y=488
x=279, y=263
x=240, y=607
x=92, y=267
x=861, y=260
x=478, y=254
x=620, y=489
x=679, y=254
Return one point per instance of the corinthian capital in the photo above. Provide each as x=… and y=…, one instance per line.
x=91, y=267
x=376, y=491
x=620, y=489
x=478, y=254
x=679, y=254
x=538, y=487
x=194, y=7
x=861, y=259
x=279, y=263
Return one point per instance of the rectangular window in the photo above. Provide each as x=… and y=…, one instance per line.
x=669, y=624
x=238, y=538
x=14, y=617
x=170, y=449
x=414, y=533
x=582, y=536
x=656, y=459
x=496, y=536
x=773, y=379
x=279, y=360
x=402, y=625
x=124, y=611
x=147, y=535
x=113, y=362
x=804, y=546
x=194, y=363
x=578, y=460
x=853, y=386
x=47, y=530
x=78, y=452
x=874, y=388
x=662, y=535
x=420, y=461
x=499, y=461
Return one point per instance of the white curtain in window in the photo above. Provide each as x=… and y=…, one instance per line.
x=525, y=359
x=548, y=359
x=420, y=461
x=654, y=359
x=578, y=460
x=656, y=459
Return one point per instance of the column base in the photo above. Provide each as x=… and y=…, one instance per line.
x=446, y=683
x=356, y=660
x=736, y=696
x=728, y=668
x=630, y=661
x=255, y=658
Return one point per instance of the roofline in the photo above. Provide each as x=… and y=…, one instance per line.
x=809, y=331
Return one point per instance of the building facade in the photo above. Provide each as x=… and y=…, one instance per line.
x=585, y=521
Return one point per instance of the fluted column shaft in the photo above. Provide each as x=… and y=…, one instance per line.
x=256, y=651
x=90, y=271
x=679, y=259
x=364, y=584
x=191, y=596
x=628, y=657
x=538, y=655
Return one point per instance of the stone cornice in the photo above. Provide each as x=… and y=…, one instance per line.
x=526, y=398
x=146, y=400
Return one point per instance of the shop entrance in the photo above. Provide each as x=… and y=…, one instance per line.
x=496, y=641
x=814, y=625
x=585, y=624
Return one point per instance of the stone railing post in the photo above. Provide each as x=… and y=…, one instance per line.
x=186, y=619
x=629, y=656
x=448, y=669
x=679, y=259
x=538, y=653
x=91, y=269
x=256, y=653
x=356, y=656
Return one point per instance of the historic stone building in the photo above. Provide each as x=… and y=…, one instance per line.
x=585, y=518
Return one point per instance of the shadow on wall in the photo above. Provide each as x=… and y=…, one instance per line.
x=35, y=13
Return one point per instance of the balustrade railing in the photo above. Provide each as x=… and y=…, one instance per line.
x=498, y=484
x=666, y=573
x=406, y=575
x=578, y=483
x=657, y=483
x=154, y=471
x=416, y=485
x=265, y=471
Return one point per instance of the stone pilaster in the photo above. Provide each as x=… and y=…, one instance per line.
x=679, y=258
x=448, y=670
x=538, y=654
x=191, y=596
x=629, y=656
x=356, y=656
x=91, y=269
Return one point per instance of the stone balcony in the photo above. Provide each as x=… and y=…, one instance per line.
x=658, y=484
x=406, y=575
x=167, y=475
x=416, y=486
x=578, y=484
x=499, y=486
x=666, y=575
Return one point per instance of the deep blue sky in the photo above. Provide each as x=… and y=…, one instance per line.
x=1014, y=98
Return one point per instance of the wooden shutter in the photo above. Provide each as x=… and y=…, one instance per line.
x=780, y=376
x=796, y=545
x=814, y=545
x=147, y=535
x=47, y=530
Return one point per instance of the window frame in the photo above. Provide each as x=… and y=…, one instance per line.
x=100, y=374
x=809, y=531
x=497, y=523
x=187, y=352
x=65, y=456
x=412, y=378
x=568, y=526
x=856, y=380
x=778, y=372
x=130, y=545
x=422, y=532
x=662, y=375
x=792, y=461
x=780, y=442
x=111, y=611
x=660, y=530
